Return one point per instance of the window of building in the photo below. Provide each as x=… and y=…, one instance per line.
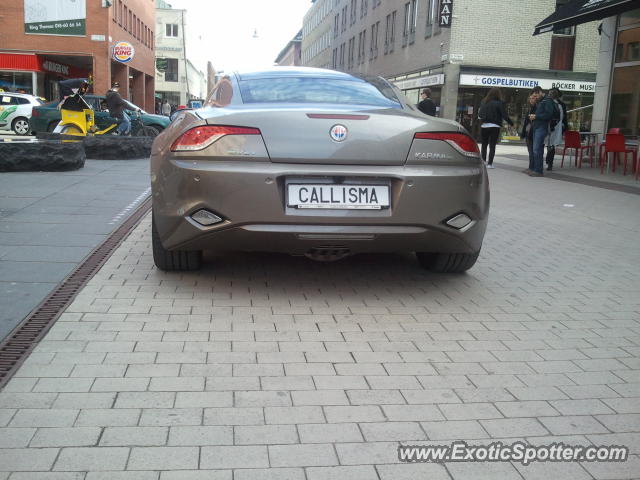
x=172, y=30
x=334, y=60
x=364, y=5
x=130, y=23
x=354, y=7
x=342, y=48
x=413, y=18
x=171, y=75
x=405, y=26
x=374, y=41
x=344, y=19
x=336, y=25
x=352, y=48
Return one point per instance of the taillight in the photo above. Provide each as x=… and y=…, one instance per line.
x=462, y=142
x=34, y=112
x=201, y=137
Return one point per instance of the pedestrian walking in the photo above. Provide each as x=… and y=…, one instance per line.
x=166, y=108
x=526, y=133
x=541, y=119
x=492, y=114
x=557, y=126
x=117, y=106
x=426, y=105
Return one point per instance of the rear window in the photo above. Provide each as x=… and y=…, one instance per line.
x=318, y=90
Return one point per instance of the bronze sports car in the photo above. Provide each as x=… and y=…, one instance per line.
x=319, y=163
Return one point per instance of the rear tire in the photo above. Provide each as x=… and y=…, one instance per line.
x=149, y=131
x=447, y=262
x=173, y=260
x=71, y=130
x=20, y=126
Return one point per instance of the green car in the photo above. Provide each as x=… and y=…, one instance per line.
x=45, y=118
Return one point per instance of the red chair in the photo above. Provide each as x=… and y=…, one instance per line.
x=572, y=141
x=615, y=143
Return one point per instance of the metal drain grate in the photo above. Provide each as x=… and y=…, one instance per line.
x=16, y=347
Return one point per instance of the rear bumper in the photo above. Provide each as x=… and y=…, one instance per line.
x=250, y=197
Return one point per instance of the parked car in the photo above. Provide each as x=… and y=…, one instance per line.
x=319, y=163
x=15, y=111
x=45, y=118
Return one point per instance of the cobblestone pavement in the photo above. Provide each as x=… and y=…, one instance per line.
x=274, y=367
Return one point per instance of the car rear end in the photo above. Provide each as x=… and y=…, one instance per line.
x=317, y=178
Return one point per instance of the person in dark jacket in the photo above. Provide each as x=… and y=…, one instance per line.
x=117, y=108
x=541, y=119
x=556, y=135
x=492, y=114
x=72, y=86
x=527, y=131
x=427, y=106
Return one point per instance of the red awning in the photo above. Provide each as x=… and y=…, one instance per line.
x=24, y=62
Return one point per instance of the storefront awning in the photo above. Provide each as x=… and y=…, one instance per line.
x=583, y=11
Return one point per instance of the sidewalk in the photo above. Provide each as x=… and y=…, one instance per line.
x=275, y=367
x=517, y=157
x=50, y=221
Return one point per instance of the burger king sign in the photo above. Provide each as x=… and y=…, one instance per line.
x=123, y=52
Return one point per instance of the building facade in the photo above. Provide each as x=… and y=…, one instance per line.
x=291, y=55
x=459, y=49
x=177, y=79
x=44, y=42
x=617, y=102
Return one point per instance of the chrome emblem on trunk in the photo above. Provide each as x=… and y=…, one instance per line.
x=338, y=133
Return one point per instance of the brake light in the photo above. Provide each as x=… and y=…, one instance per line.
x=35, y=112
x=462, y=142
x=201, y=137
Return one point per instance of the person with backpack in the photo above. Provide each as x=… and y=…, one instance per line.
x=540, y=121
x=557, y=126
x=492, y=114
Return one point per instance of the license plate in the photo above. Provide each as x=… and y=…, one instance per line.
x=339, y=197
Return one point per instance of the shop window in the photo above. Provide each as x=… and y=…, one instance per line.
x=171, y=75
x=625, y=100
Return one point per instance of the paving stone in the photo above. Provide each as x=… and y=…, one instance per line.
x=234, y=457
x=572, y=425
x=387, y=431
x=84, y=400
x=262, y=399
x=197, y=436
x=66, y=437
x=165, y=417
x=44, y=418
x=110, y=475
x=408, y=413
x=361, y=472
x=302, y=455
x=163, y=458
x=269, y=474
x=197, y=475
x=371, y=453
x=91, y=458
x=15, y=437
x=23, y=459
x=104, y=417
x=293, y=415
x=353, y=414
x=233, y=416
x=412, y=472
x=265, y=434
x=145, y=400
x=320, y=397
x=329, y=433
x=454, y=430
x=134, y=436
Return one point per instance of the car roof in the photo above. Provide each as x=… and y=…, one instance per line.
x=16, y=94
x=295, y=72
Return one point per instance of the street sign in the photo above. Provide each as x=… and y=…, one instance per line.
x=446, y=13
